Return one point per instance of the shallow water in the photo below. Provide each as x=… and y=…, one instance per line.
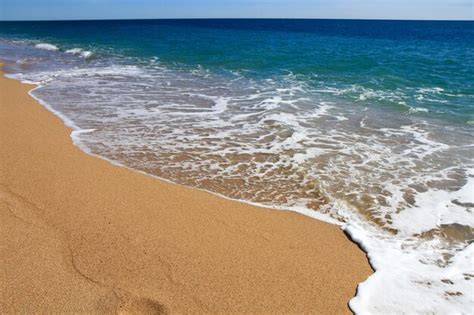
x=364, y=123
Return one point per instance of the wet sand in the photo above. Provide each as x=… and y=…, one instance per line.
x=79, y=234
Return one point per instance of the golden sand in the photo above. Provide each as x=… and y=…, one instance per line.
x=81, y=235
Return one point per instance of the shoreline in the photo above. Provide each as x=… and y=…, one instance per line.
x=82, y=234
x=75, y=130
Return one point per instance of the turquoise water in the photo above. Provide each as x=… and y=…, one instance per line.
x=365, y=124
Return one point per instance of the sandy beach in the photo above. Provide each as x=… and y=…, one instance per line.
x=82, y=235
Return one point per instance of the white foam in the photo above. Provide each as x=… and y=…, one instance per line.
x=435, y=207
x=405, y=282
x=46, y=46
x=80, y=52
x=413, y=110
x=22, y=61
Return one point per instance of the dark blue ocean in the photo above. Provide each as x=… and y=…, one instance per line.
x=362, y=123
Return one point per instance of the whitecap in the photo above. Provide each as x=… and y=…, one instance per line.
x=46, y=46
x=413, y=110
x=80, y=52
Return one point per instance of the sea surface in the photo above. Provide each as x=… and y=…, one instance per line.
x=365, y=124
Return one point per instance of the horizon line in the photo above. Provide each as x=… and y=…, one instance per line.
x=238, y=18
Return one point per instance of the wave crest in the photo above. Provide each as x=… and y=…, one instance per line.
x=80, y=52
x=46, y=46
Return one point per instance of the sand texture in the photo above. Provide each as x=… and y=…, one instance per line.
x=79, y=234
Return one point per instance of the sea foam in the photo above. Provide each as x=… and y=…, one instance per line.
x=80, y=52
x=46, y=46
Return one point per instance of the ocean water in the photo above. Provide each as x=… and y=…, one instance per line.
x=365, y=124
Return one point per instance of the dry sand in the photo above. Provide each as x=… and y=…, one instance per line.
x=81, y=235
